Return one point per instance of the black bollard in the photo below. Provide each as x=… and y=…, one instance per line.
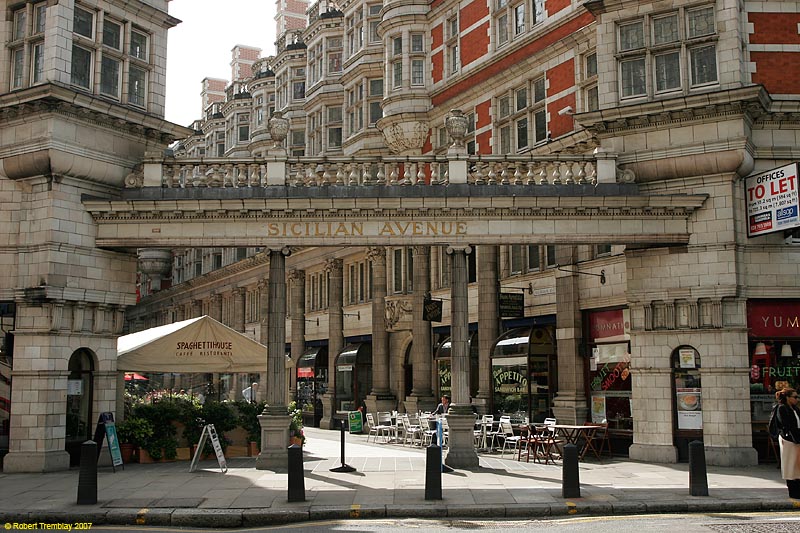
x=87, y=477
x=297, y=485
x=698, y=482
x=433, y=472
x=570, y=477
x=345, y=467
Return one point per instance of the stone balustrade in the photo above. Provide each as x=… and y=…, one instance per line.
x=422, y=170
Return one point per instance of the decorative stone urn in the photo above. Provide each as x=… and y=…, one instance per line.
x=156, y=263
x=278, y=128
x=456, y=125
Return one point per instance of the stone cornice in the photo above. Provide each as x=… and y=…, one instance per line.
x=53, y=98
x=752, y=102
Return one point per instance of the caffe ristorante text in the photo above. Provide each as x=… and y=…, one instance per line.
x=204, y=349
x=359, y=229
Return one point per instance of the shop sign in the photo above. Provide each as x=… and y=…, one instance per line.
x=512, y=304
x=609, y=325
x=432, y=310
x=773, y=318
x=772, y=201
x=690, y=408
x=609, y=374
x=510, y=382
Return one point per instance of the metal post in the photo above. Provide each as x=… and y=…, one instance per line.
x=297, y=486
x=433, y=472
x=345, y=467
x=570, y=476
x=87, y=477
x=698, y=482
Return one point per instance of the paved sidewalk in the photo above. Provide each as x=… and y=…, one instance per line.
x=389, y=482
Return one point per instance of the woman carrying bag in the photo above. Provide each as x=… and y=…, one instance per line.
x=789, y=424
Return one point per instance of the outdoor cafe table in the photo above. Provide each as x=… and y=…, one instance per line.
x=576, y=434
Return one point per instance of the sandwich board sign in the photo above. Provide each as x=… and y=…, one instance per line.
x=209, y=432
x=106, y=429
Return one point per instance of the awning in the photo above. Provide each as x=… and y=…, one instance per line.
x=195, y=345
x=360, y=352
x=133, y=376
x=312, y=356
x=445, y=349
x=520, y=342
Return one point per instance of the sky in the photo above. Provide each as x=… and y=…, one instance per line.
x=200, y=46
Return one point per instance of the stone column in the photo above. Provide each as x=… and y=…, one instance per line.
x=263, y=318
x=197, y=308
x=215, y=309
x=461, y=453
x=335, y=338
x=488, y=321
x=569, y=406
x=297, y=310
x=275, y=419
x=421, y=398
x=238, y=309
x=381, y=397
x=180, y=313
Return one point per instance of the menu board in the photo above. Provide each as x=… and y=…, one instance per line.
x=598, y=409
x=690, y=408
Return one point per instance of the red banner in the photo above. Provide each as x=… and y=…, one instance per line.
x=603, y=324
x=773, y=318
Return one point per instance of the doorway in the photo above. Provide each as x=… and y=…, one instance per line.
x=79, y=403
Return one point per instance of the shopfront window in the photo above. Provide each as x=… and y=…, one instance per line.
x=609, y=368
x=444, y=367
x=524, y=370
x=312, y=383
x=353, y=376
x=774, y=348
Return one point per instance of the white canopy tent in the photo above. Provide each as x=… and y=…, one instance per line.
x=197, y=345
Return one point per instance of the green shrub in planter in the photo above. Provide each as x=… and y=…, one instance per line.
x=135, y=431
x=248, y=419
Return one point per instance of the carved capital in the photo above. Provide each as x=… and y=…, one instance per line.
x=295, y=275
x=395, y=310
x=376, y=254
x=334, y=266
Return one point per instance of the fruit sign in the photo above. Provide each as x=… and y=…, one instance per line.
x=772, y=201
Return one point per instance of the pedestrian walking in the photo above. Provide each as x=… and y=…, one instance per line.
x=789, y=423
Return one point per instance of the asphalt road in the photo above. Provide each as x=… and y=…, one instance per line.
x=774, y=522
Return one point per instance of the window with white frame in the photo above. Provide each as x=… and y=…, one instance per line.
x=654, y=50
x=602, y=250
x=243, y=127
x=521, y=117
x=514, y=18
x=317, y=290
x=375, y=97
x=550, y=255
x=354, y=25
x=453, y=59
x=523, y=258
x=417, y=59
x=373, y=19
x=591, y=100
x=355, y=108
x=81, y=74
x=334, y=45
x=334, y=127
x=440, y=266
x=402, y=265
x=27, y=45
x=314, y=55
x=359, y=282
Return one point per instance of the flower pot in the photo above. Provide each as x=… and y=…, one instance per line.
x=126, y=450
x=295, y=440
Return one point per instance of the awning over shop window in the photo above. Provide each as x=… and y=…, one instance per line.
x=313, y=356
x=513, y=342
x=195, y=345
x=445, y=349
x=360, y=352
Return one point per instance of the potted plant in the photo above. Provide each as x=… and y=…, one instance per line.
x=296, y=435
x=248, y=420
x=132, y=433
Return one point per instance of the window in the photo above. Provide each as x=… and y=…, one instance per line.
x=375, y=97
x=519, y=19
x=355, y=109
x=298, y=90
x=550, y=253
x=112, y=33
x=17, y=68
x=138, y=45
x=359, y=282
x=589, y=83
x=655, y=50
x=334, y=127
x=453, y=60
x=417, y=42
x=81, y=67
x=355, y=32
x=602, y=250
x=516, y=111
x=317, y=290
x=109, y=76
x=374, y=18
x=39, y=18
x=502, y=29
x=417, y=72
x=523, y=258
x=402, y=270
x=244, y=133
x=334, y=62
x=397, y=46
x=397, y=74
x=20, y=24
x=83, y=22
x=137, y=86
x=37, y=65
